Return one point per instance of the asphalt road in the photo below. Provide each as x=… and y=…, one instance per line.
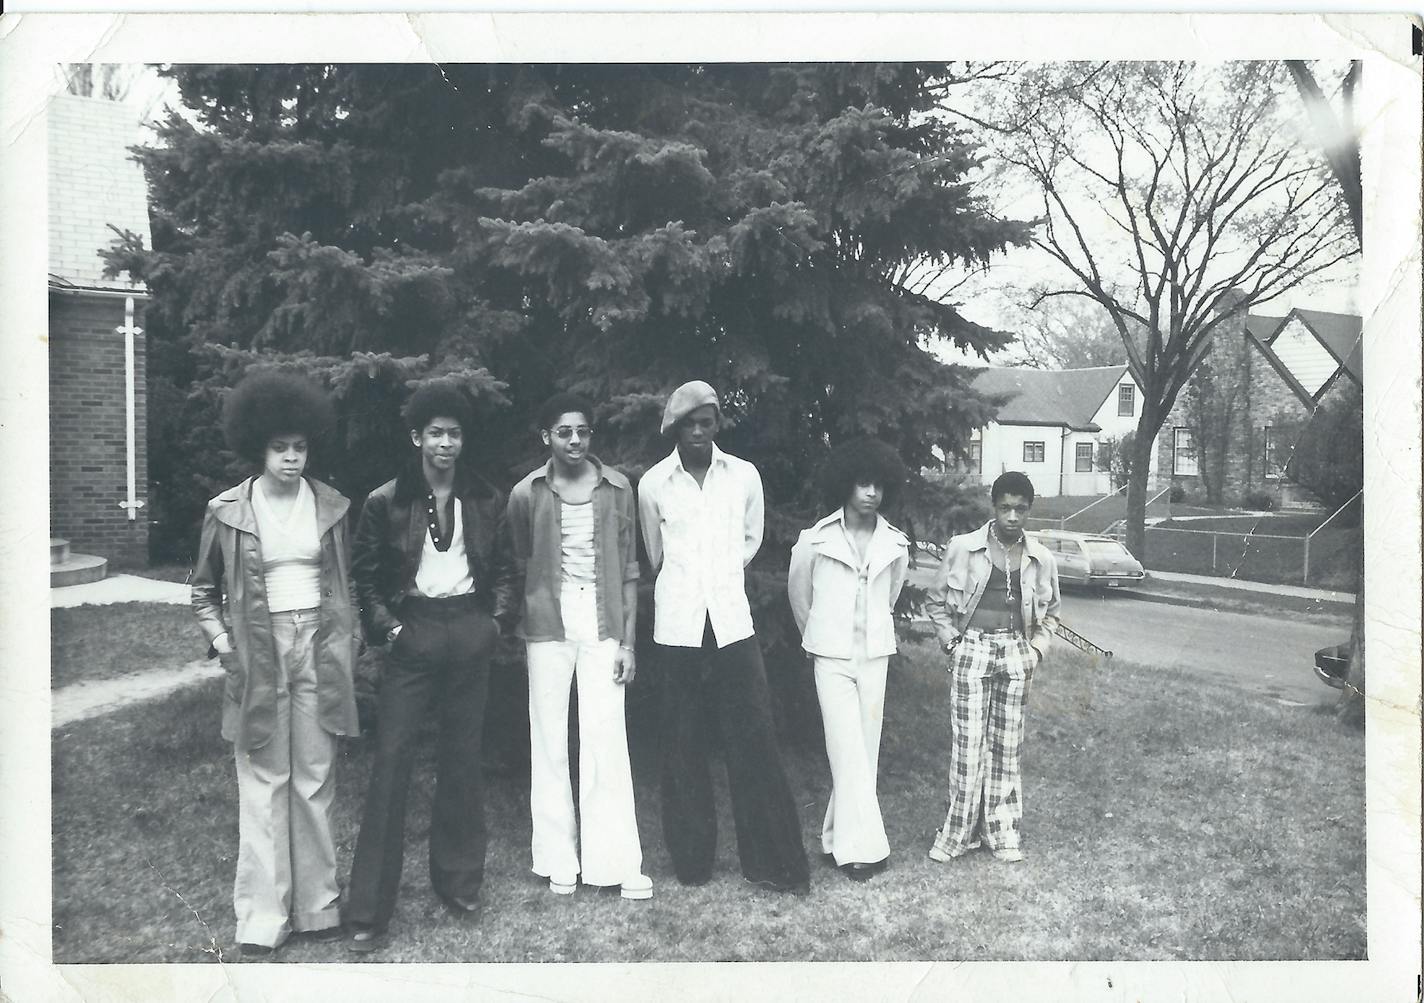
x=1271, y=654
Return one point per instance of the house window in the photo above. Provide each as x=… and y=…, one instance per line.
x=1083, y=458
x=1184, y=452
x=976, y=456
x=1033, y=452
x=1126, y=400
x=1274, y=468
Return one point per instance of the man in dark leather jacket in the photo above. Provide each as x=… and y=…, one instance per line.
x=436, y=582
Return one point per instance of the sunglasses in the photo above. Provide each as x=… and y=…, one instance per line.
x=567, y=431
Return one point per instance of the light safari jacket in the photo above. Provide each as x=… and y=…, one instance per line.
x=824, y=579
x=964, y=571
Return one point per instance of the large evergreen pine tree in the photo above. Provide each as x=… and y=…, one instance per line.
x=610, y=229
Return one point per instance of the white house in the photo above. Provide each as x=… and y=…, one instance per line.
x=1051, y=426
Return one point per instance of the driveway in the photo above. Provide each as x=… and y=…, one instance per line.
x=1272, y=654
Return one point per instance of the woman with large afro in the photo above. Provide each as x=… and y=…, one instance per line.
x=846, y=574
x=272, y=592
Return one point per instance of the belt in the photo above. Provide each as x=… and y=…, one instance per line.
x=463, y=598
x=996, y=632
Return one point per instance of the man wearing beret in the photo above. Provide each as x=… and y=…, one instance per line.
x=701, y=514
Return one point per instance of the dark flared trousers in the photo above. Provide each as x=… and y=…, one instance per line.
x=729, y=682
x=439, y=665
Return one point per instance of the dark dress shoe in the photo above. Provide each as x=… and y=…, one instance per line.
x=464, y=906
x=328, y=936
x=255, y=952
x=829, y=859
x=860, y=871
x=785, y=887
x=364, y=940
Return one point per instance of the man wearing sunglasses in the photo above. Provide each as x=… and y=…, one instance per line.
x=573, y=529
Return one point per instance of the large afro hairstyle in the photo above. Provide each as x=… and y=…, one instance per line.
x=862, y=461
x=270, y=402
x=441, y=397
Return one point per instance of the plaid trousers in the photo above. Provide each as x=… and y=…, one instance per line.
x=989, y=679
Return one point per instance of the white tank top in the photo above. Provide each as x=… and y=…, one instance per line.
x=291, y=550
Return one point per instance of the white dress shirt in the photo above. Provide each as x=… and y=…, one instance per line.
x=699, y=540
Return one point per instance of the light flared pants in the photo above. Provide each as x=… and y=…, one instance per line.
x=286, y=858
x=851, y=692
x=609, y=851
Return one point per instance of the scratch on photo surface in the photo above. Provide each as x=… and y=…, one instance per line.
x=214, y=950
x=415, y=27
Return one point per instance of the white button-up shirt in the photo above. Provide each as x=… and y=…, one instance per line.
x=699, y=539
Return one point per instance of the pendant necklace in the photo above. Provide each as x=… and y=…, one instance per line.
x=1008, y=566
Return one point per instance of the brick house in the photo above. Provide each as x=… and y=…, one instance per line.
x=1288, y=366
x=1053, y=424
x=97, y=376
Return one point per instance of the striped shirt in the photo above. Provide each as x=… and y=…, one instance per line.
x=576, y=526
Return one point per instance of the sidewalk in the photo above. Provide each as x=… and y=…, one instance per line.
x=1209, y=581
x=119, y=588
x=83, y=700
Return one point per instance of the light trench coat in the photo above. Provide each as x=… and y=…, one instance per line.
x=229, y=595
x=824, y=581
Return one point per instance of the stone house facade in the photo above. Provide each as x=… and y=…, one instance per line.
x=1283, y=369
x=97, y=375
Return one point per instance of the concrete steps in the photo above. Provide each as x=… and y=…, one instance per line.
x=66, y=568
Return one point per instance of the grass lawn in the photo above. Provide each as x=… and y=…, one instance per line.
x=1257, y=548
x=1166, y=820
x=1103, y=514
x=101, y=642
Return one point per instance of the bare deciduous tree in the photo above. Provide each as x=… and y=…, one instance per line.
x=1066, y=334
x=1165, y=187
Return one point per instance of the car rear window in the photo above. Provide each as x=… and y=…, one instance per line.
x=1106, y=548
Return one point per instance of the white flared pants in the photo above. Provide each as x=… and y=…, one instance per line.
x=608, y=851
x=851, y=692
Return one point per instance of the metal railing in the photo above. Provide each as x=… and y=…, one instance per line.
x=1266, y=557
x=1305, y=573
x=1061, y=523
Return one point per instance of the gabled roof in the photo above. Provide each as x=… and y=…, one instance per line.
x=1066, y=397
x=1262, y=326
x=1340, y=333
x=93, y=185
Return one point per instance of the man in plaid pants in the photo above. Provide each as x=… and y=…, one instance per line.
x=994, y=604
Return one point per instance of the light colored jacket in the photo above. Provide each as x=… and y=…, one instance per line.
x=964, y=572
x=825, y=581
x=229, y=594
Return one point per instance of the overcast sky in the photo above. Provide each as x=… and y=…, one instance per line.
x=992, y=298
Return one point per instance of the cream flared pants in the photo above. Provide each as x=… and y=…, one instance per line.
x=286, y=858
